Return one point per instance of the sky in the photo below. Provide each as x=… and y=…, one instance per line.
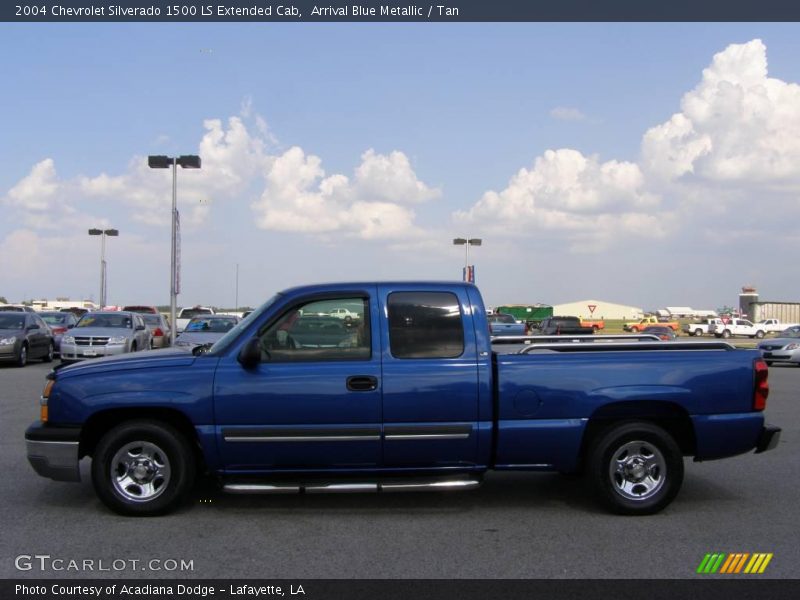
x=646, y=164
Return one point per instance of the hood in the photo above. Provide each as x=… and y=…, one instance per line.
x=167, y=357
x=101, y=332
x=778, y=342
x=198, y=337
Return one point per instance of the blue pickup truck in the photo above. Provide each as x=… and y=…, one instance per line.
x=503, y=324
x=408, y=396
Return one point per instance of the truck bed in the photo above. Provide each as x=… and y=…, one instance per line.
x=547, y=396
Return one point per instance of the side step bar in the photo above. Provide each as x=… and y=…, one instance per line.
x=354, y=487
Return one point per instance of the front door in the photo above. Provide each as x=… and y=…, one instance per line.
x=314, y=401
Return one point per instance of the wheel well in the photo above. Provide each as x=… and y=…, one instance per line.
x=99, y=423
x=667, y=415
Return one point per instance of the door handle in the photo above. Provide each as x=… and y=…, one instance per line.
x=362, y=383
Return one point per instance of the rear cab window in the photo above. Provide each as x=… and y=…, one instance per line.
x=425, y=325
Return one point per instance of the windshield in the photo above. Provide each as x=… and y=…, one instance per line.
x=210, y=324
x=792, y=332
x=501, y=318
x=11, y=322
x=222, y=343
x=104, y=320
x=189, y=313
x=56, y=319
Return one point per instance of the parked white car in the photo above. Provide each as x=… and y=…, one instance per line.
x=701, y=328
x=737, y=327
x=190, y=312
x=344, y=314
x=775, y=325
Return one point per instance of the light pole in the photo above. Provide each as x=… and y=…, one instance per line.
x=186, y=161
x=103, y=233
x=469, y=270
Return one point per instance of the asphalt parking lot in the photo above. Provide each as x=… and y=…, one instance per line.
x=515, y=526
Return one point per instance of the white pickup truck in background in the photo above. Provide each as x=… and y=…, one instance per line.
x=701, y=328
x=737, y=327
x=187, y=314
x=774, y=325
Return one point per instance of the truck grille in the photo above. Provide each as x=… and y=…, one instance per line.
x=91, y=341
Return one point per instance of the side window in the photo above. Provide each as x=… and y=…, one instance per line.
x=331, y=329
x=425, y=325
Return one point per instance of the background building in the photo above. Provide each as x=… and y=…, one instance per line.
x=598, y=309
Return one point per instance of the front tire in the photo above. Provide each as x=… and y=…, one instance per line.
x=143, y=468
x=51, y=351
x=22, y=357
x=636, y=468
x=759, y=335
x=726, y=334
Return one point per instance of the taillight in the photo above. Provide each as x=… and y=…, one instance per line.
x=58, y=329
x=760, y=384
x=157, y=332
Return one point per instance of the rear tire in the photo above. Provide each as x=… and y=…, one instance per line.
x=143, y=468
x=698, y=333
x=726, y=334
x=759, y=334
x=635, y=468
x=51, y=351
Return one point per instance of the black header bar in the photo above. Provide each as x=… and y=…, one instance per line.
x=355, y=11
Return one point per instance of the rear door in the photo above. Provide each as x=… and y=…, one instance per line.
x=430, y=378
x=314, y=401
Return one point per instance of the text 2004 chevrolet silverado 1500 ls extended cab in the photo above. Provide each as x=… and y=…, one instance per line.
x=410, y=396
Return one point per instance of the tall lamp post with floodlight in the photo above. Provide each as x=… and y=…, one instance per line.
x=469, y=270
x=186, y=161
x=103, y=233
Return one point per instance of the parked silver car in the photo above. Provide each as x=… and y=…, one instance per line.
x=159, y=330
x=24, y=335
x=105, y=334
x=783, y=349
x=205, y=329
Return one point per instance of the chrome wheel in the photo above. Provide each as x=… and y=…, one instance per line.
x=637, y=470
x=140, y=471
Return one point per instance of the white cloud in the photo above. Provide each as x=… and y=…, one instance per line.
x=35, y=191
x=566, y=113
x=294, y=192
x=299, y=196
x=736, y=125
x=565, y=191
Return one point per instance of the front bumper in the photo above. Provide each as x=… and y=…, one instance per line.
x=53, y=451
x=75, y=352
x=781, y=356
x=768, y=438
x=9, y=352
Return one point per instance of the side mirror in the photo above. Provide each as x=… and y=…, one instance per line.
x=250, y=354
x=34, y=326
x=139, y=327
x=70, y=326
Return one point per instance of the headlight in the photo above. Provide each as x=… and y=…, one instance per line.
x=117, y=339
x=68, y=339
x=8, y=341
x=179, y=343
x=792, y=346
